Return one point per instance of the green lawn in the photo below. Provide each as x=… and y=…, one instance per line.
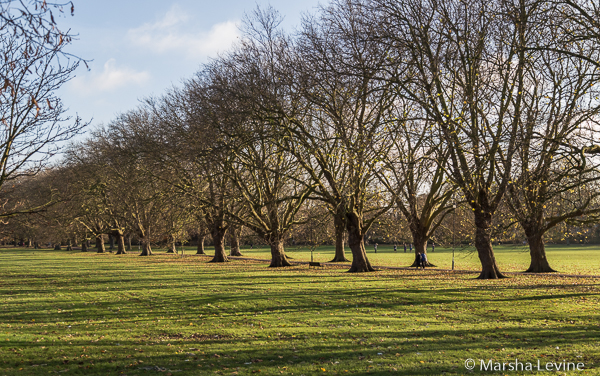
x=101, y=314
x=574, y=259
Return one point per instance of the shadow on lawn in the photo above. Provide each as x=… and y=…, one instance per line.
x=409, y=352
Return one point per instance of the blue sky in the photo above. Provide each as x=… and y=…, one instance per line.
x=140, y=48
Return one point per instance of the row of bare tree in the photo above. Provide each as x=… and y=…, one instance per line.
x=372, y=106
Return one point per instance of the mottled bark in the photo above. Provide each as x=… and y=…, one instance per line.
x=120, y=243
x=200, y=250
x=218, y=236
x=171, y=247
x=360, y=262
x=235, y=241
x=100, y=244
x=146, y=248
x=278, y=258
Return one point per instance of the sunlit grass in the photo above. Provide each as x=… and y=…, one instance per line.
x=574, y=259
x=91, y=314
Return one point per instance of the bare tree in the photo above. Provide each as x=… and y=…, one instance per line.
x=33, y=66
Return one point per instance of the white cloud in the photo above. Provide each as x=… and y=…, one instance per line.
x=170, y=34
x=111, y=78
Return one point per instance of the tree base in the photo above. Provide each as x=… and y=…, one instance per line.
x=236, y=253
x=121, y=253
x=491, y=274
x=200, y=253
x=339, y=259
x=219, y=258
x=427, y=265
x=540, y=269
x=280, y=263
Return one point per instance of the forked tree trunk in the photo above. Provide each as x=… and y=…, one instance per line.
x=218, y=235
x=483, y=244
x=171, y=247
x=537, y=250
x=278, y=258
x=339, y=224
x=120, y=243
x=146, y=248
x=84, y=247
x=360, y=262
x=201, y=245
x=420, y=245
x=235, y=241
x=100, y=244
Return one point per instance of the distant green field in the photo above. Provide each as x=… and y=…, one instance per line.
x=79, y=313
x=574, y=259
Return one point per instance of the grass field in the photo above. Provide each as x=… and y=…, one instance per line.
x=574, y=259
x=79, y=313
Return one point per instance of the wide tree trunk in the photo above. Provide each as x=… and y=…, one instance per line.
x=483, y=244
x=120, y=243
x=201, y=245
x=84, y=247
x=539, y=262
x=339, y=223
x=360, y=262
x=218, y=235
x=146, y=248
x=278, y=258
x=100, y=244
x=420, y=245
x=235, y=241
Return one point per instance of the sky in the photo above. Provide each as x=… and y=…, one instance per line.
x=141, y=48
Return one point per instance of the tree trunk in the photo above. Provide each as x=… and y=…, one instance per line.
x=539, y=262
x=278, y=258
x=111, y=242
x=201, y=245
x=360, y=262
x=235, y=241
x=171, y=247
x=146, y=248
x=420, y=243
x=84, y=247
x=28, y=243
x=120, y=243
x=339, y=224
x=218, y=235
x=483, y=244
x=57, y=247
x=128, y=243
x=69, y=245
x=100, y=244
